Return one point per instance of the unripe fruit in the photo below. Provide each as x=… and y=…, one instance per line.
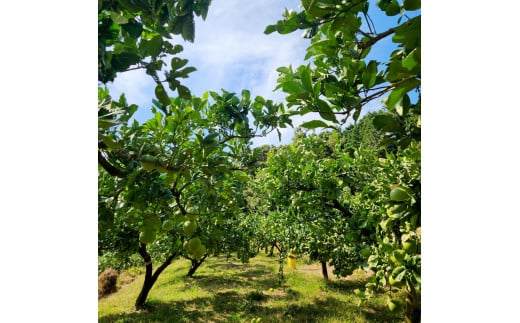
x=199, y=252
x=193, y=244
x=168, y=225
x=147, y=236
x=189, y=227
x=410, y=246
x=399, y=194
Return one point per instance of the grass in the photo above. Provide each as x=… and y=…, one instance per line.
x=225, y=290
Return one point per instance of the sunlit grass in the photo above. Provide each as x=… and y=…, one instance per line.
x=225, y=290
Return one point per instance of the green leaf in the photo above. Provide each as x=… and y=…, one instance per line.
x=286, y=26
x=369, y=75
x=306, y=78
x=154, y=46
x=412, y=5
x=314, y=124
x=412, y=62
x=398, y=93
x=315, y=9
x=284, y=70
x=325, y=111
x=373, y=261
x=409, y=33
x=177, y=63
x=188, y=30
x=118, y=17
x=393, y=8
x=184, y=92
x=176, y=49
x=133, y=28
x=356, y=114
x=184, y=72
x=270, y=29
x=383, y=4
x=293, y=87
x=161, y=94
x=204, y=11
x=177, y=24
x=121, y=62
x=398, y=273
x=386, y=122
x=105, y=124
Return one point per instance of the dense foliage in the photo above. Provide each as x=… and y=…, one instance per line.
x=187, y=183
x=337, y=84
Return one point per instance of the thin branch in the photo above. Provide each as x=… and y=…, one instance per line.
x=377, y=38
x=371, y=23
x=135, y=68
x=229, y=137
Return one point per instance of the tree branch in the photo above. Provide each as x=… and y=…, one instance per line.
x=341, y=208
x=112, y=170
x=377, y=38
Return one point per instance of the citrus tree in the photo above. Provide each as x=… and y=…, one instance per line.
x=165, y=185
x=312, y=184
x=341, y=79
x=168, y=185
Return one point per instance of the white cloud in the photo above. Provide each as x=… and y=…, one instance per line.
x=230, y=52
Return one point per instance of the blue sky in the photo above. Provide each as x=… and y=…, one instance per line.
x=232, y=52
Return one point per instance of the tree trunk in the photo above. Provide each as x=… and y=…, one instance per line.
x=271, y=252
x=195, y=264
x=324, y=270
x=148, y=284
x=413, y=305
x=149, y=278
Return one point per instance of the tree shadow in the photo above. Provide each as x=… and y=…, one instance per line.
x=345, y=286
x=245, y=292
x=328, y=307
x=227, y=305
x=178, y=311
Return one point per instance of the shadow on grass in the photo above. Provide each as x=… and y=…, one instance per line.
x=241, y=293
x=344, y=286
x=179, y=311
x=259, y=277
x=232, y=306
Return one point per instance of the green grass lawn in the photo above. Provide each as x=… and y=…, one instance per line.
x=225, y=290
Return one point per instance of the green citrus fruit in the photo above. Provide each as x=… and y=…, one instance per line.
x=147, y=236
x=168, y=225
x=199, y=252
x=189, y=227
x=410, y=246
x=193, y=244
x=178, y=216
x=399, y=194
